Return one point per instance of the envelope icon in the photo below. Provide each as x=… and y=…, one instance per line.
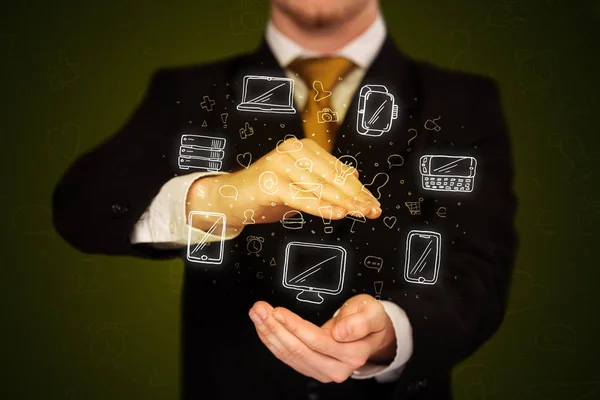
x=306, y=190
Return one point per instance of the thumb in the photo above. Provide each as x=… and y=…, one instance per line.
x=358, y=325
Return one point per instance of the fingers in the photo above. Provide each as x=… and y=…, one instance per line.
x=333, y=170
x=352, y=355
x=314, y=337
x=289, y=349
x=358, y=320
x=320, y=185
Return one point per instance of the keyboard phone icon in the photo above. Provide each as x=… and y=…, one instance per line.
x=448, y=173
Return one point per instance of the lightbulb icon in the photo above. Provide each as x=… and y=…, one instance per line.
x=344, y=167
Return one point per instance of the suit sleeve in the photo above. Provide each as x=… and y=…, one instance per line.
x=451, y=319
x=105, y=192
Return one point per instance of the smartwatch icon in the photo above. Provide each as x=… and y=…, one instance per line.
x=377, y=110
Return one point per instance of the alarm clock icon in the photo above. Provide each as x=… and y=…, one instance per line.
x=254, y=244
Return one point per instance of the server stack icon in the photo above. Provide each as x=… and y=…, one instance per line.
x=201, y=152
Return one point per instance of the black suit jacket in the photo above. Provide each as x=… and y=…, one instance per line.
x=106, y=191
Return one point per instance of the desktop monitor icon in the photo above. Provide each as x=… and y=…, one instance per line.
x=268, y=95
x=314, y=269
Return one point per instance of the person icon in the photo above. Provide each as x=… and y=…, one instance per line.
x=249, y=217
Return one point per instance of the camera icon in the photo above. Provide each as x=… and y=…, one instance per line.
x=327, y=115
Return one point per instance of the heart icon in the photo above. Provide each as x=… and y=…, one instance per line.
x=244, y=159
x=64, y=141
x=389, y=221
x=321, y=92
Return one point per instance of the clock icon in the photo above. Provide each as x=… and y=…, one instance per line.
x=254, y=244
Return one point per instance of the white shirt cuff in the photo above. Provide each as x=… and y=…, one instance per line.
x=165, y=223
x=404, y=348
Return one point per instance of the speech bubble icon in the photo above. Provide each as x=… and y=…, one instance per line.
x=373, y=262
x=304, y=164
x=395, y=160
x=229, y=192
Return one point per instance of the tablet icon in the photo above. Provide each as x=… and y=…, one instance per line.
x=448, y=173
x=267, y=95
x=422, y=259
x=206, y=251
x=314, y=269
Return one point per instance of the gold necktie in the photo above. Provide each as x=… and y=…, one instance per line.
x=320, y=121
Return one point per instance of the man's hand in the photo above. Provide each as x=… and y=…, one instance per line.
x=264, y=189
x=360, y=332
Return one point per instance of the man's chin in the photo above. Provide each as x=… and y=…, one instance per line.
x=313, y=21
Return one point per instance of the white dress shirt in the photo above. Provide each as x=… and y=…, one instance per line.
x=164, y=225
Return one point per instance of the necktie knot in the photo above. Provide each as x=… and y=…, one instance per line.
x=327, y=70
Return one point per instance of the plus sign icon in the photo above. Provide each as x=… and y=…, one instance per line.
x=207, y=103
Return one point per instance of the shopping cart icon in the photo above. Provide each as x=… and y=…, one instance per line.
x=414, y=206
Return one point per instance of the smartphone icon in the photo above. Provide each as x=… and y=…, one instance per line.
x=422, y=259
x=209, y=248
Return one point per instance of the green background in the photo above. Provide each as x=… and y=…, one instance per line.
x=76, y=326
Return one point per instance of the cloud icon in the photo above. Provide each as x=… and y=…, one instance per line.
x=289, y=144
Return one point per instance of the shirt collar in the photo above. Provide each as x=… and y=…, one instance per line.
x=362, y=50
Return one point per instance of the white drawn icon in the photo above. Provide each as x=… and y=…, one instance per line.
x=306, y=190
x=248, y=217
x=395, y=160
x=229, y=192
x=441, y=212
x=414, y=207
x=305, y=164
x=201, y=152
x=373, y=262
x=320, y=92
x=378, y=288
x=254, y=244
x=314, y=269
x=205, y=251
x=246, y=131
x=355, y=216
x=448, y=173
x=267, y=182
x=378, y=182
x=377, y=110
x=296, y=145
x=201, y=192
x=327, y=115
x=431, y=125
x=326, y=213
x=390, y=221
x=293, y=220
x=244, y=159
x=344, y=167
x=267, y=95
x=224, y=117
x=422, y=259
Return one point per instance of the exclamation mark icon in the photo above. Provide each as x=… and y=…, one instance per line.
x=326, y=213
x=224, y=119
x=378, y=287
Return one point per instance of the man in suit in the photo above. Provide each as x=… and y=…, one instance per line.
x=347, y=234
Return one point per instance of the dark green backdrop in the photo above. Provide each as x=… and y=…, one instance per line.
x=94, y=327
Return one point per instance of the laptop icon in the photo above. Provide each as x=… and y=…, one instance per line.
x=268, y=95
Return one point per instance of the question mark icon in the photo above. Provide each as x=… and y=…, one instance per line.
x=412, y=138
